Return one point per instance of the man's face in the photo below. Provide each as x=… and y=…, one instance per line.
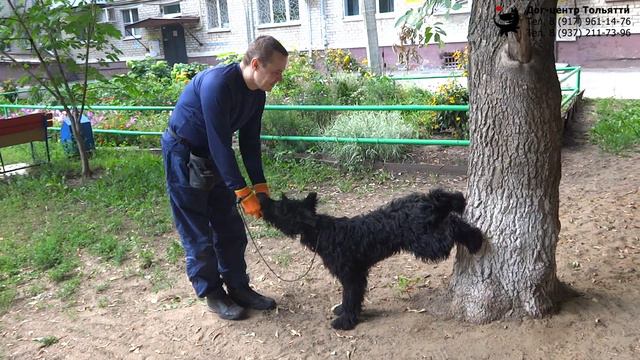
x=267, y=75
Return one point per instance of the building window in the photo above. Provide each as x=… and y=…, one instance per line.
x=449, y=61
x=278, y=11
x=130, y=16
x=170, y=10
x=351, y=7
x=385, y=6
x=108, y=15
x=218, y=14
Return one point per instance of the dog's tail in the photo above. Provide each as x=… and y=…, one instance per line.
x=463, y=234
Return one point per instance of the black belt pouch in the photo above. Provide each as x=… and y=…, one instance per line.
x=202, y=172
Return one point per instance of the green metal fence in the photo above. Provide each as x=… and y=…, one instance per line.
x=569, y=93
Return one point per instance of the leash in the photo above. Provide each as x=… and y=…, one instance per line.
x=244, y=221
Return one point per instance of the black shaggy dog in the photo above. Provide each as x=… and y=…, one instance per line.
x=427, y=225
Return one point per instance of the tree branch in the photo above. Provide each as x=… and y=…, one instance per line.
x=86, y=61
x=29, y=71
x=54, y=90
x=51, y=32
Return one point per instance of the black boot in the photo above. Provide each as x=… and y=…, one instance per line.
x=220, y=303
x=247, y=297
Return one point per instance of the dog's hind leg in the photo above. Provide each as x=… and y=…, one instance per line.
x=353, y=289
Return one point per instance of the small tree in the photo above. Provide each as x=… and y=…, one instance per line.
x=416, y=27
x=62, y=35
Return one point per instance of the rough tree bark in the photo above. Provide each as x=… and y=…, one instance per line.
x=373, y=51
x=514, y=167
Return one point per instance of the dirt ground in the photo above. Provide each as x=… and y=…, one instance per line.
x=598, y=255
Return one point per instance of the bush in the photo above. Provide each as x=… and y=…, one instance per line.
x=454, y=122
x=337, y=60
x=303, y=84
x=185, y=72
x=9, y=86
x=367, y=125
x=128, y=120
x=149, y=67
x=289, y=123
x=131, y=91
x=229, y=57
x=423, y=122
x=380, y=90
x=347, y=89
x=462, y=58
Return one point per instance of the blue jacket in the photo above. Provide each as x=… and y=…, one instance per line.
x=214, y=105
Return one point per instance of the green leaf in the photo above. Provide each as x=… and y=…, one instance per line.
x=427, y=35
x=402, y=19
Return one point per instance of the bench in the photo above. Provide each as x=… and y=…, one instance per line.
x=22, y=130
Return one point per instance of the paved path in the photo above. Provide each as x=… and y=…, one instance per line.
x=597, y=83
x=617, y=83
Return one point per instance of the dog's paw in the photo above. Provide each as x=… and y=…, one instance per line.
x=475, y=240
x=344, y=322
x=337, y=310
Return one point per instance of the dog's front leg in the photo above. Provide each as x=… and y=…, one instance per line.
x=353, y=289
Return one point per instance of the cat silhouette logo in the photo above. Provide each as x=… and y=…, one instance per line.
x=508, y=22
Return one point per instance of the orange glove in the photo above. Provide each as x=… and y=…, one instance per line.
x=261, y=188
x=249, y=202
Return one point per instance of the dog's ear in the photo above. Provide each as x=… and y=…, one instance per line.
x=311, y=201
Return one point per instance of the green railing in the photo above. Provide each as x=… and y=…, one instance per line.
x=574, y=91
x=570, y=72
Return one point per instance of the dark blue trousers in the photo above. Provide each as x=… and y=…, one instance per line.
x=210, y=227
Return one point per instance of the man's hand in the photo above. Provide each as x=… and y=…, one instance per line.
x=261, y=188
x=249, y=202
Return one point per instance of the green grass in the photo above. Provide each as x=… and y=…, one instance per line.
x=100, y=288
x=618, y=125
x=68, y=289
x=404, y=285
x=103, y=302
x=283, y=258
x=49, y=217
x=47, y=340
x=174, y=252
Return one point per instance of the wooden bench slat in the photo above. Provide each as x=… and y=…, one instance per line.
x=37, y=119
x=23, y=137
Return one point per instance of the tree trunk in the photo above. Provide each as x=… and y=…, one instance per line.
x=373, y=50
x=514, y=168
x=75, y=119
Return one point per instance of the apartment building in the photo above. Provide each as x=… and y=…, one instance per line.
x=197, y=30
